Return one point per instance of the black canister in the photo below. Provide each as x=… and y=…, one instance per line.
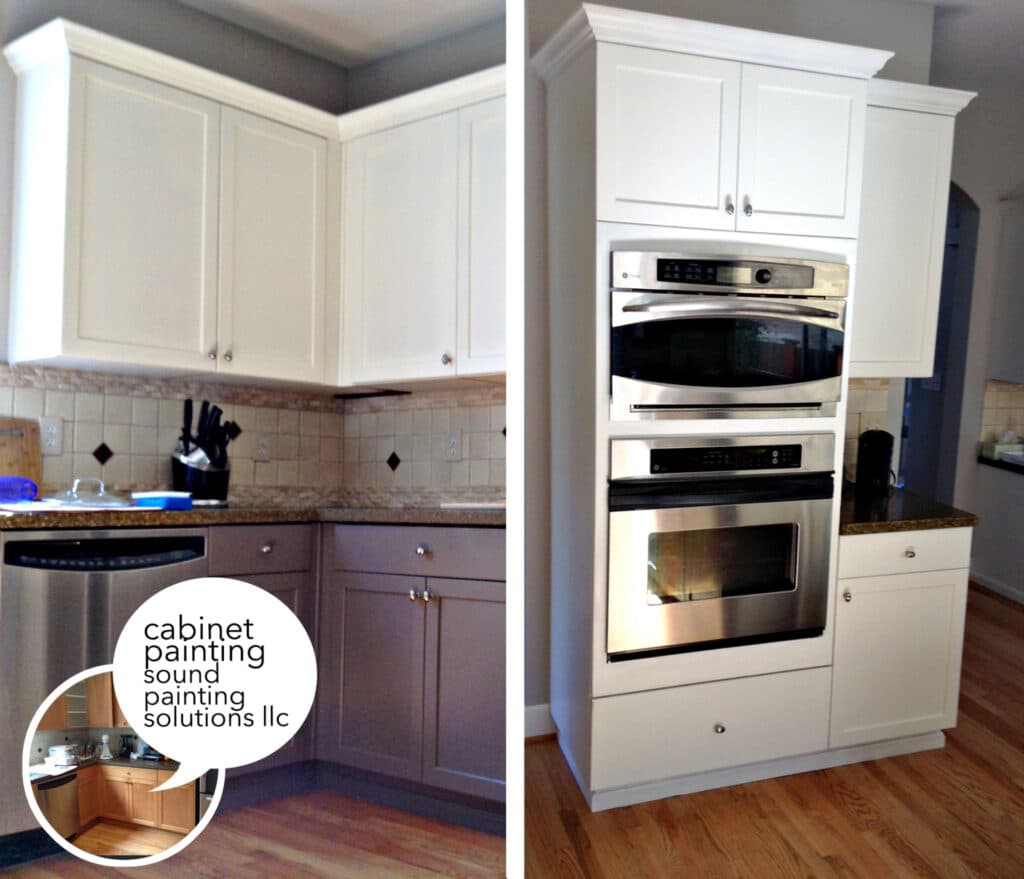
x=874, y=462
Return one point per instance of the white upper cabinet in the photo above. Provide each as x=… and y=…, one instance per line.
x=272, y=249
x=160, y=224
x=907, y=158
x=684, y=140
x=423, y=240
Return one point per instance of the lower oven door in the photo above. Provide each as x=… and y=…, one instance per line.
x=698, y=577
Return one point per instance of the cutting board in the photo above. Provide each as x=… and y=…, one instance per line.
x=20, y=451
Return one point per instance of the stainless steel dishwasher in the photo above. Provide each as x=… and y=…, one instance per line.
x=58, y=801
x=64, y=598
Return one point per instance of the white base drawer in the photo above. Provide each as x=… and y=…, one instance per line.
x=904, y=552
x=642, y=737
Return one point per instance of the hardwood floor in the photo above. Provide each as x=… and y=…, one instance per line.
x=106, y=838
x=322, y=835
x=956, y=812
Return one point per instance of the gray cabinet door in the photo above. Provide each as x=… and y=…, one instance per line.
x=381, y=701
x=464, y=688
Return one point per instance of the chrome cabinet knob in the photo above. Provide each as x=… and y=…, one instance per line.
x=422, y=550
x=446, y=358
x=748, y=209
x=212, y=354
x=228, y=356
x=909, y=552
x=413, y=595
x=719, y=728
x=847, y=596
x=730, y=208
x=267, y=547
x=427, y=595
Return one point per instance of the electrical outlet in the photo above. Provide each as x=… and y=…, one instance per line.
x=51, y=434
x=453, y=451
x=262, y=446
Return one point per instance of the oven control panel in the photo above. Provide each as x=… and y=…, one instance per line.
x=726, y=458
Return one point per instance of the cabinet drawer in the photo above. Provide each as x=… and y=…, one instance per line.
x=259, y=549
x=899, y=552
x=466, y=553
x=642, y=737
x=126, y=773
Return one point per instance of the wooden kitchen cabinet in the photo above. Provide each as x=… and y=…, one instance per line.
x=899, y=634
x=177, y=806
x=145, y=186
x=414, y=688
x=88, y=795
x=102, y=705
x=67, y=711
x=115, y=795
x=423, y=235
x=703, y=142
x=907, y=159
x=146, y=805
x=126, y=794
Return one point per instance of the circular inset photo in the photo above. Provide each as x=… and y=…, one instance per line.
x=97, y=787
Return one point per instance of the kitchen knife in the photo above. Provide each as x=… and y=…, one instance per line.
x=204, y=415
x=186, y=427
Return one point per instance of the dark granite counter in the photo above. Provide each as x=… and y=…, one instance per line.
x=131, y=517
x=899, y=511
x=126, y=762
x=1001, y=465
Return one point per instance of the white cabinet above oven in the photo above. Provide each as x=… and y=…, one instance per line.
x=685, y=140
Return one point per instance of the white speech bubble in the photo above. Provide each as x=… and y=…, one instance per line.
x=215, y=673
x=27, y=756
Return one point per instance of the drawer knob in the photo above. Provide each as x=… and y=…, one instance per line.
x=427, y=595
x=719, y=728
x=730, y=208
x=748, y=209
x=446, y=359
x=267, y=547
x=422, y=550
x=847, y=596
x=413, y=595
x=212, y=354
x=909, y=552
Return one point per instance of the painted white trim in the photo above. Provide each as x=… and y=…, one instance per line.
x=688, y=784
x=54, y=41
x=606, y=24
x=1014, y=593
x=918, y=98
x=538, y=721
x=452, y=95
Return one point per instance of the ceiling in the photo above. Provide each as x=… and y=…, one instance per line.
x=353, y=32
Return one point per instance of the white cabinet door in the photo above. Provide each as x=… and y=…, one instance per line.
x=667, y=128
x=800, y=159
x=907, y=157
x=400, y=252
x=141, y=246
x=898, y=646
x=481, y=285
x=272, y=257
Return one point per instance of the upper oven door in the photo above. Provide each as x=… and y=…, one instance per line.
x=672, y=350
x=697, y=576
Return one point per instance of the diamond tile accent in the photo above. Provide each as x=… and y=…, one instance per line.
x=103, y=453
x=394, y=461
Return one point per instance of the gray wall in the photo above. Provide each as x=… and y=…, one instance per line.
x=447, y=58
x=903, y=27
x=166, y=27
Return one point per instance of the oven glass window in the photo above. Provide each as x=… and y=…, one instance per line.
x=720, y=562
x=726, y=352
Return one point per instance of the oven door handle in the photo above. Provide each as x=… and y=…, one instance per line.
x=731, y=306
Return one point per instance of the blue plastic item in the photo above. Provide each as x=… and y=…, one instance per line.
x=17, y=488
x=163, y=500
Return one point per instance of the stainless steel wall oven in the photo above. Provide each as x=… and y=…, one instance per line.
x=717, y=542
x=693, y=334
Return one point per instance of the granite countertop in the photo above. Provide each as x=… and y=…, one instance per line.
x=1001, y=464
x=900, y=511
x=131, y=517
x=51, y=772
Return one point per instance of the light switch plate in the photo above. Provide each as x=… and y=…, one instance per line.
x=51, y=434
x=262, y=448
x=453, y=448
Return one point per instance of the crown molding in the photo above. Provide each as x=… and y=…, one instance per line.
x=919, y=98
x=606, y=24
x=60, y=38
x=461, y=92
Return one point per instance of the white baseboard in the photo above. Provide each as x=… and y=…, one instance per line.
x=1014, y=593
x=537, y=721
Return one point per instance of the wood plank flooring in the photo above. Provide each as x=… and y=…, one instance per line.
x=956, y=812
x=107, y=838
x=322, y=835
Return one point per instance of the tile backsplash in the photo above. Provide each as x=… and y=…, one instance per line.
x=378, y=447
x=1002, y=410
x=866, y=409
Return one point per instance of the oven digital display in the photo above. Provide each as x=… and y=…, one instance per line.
x=725, y=458
x=703, y=271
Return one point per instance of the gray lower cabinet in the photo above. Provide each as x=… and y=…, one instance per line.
x=412, y=678
x=280, y=559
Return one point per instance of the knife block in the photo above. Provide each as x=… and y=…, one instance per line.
x=204, y=484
